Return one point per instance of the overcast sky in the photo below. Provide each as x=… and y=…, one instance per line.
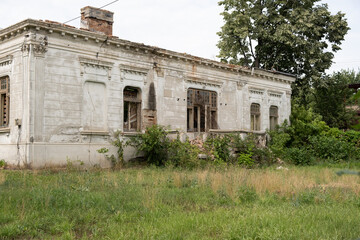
x=180, y=25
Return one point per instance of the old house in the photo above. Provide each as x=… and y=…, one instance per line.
x=65, y=91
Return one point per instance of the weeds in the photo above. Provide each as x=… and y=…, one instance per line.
x=164, y=203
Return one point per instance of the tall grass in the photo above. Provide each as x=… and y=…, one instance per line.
x=152, y=203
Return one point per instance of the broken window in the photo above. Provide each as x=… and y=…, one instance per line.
x=132, y=109
x=5, y=101
x=255, y=117
x=201, y=110
x=273, y=117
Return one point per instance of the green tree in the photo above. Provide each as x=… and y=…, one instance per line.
x=332, y=98
x=293, y=36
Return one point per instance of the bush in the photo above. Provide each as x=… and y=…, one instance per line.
x=248, y=153
x=154, y=144
x=183, y=154
x=2, y=163
x=245, y=159
x=299, y=156
x=218, y=147
x=304, y=123
x=279, y=140
x=331, y=149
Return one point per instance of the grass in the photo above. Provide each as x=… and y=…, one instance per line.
x=154, y=203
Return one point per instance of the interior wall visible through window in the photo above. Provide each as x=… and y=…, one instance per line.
x=132, y=109
x=201, y=110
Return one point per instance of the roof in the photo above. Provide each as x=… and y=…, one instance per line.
x=51, y=26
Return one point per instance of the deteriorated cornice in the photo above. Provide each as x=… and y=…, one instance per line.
x=85, y=35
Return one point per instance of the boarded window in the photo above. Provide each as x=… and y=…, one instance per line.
x=255, y=117
x=201, y=110
x=132, y=109
x=5, y=101
x=273, y=117
x=94, y=106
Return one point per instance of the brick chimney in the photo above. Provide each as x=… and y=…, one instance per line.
x=97, y=20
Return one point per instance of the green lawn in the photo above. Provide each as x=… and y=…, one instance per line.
x=153, y=203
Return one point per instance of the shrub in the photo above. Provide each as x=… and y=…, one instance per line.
x=219, y=147
x=299, y=156
x=279, y=140
x=245, y=159
x=2, y=163
x=304, y=123
x=330, y=148
x=183, y=154
x=154, y=144
x=247, y=148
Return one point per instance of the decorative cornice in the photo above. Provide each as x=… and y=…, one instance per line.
x=275, y=94
x=240, y=84
x=134, y=70
x=95, y=63
x=6, y=61
x=87, y=36
x=256, y=91
x=202, y=81
x=37, y=42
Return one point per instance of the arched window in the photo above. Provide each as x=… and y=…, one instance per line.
x=255, y=117
x=4, y=101
x=273, y=117
x=132, y=109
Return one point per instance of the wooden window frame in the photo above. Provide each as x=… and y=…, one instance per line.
x=201, y=110
x=273, y=117
x=4, y=101
x=132, y=100
x=255, y=114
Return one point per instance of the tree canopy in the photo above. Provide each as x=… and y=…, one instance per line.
x=332, y=98
x=293, y=36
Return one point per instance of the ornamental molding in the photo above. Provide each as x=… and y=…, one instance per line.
x=62, y=30
x=36, y=42
x=138, y=73
x=256, y=91
x=5, y=61
x=275, y=94
x=134, y=69
x=203, y=82
x=96, y=64
x=240, y=84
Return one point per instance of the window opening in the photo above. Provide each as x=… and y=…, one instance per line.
x=255, y=117
x=201, y=110
x=4, y=101
x=132, y=109
x=273, y=117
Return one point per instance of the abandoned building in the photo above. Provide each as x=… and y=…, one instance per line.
x=66, y=91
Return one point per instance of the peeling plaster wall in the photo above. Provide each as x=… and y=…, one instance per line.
x=68, y=91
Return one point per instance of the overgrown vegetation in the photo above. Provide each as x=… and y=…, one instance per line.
x=165, y=203
x=334, y=100
x=308, y=140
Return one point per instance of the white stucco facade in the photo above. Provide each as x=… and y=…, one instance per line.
x=66, y=92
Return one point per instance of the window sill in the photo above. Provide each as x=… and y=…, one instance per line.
x=236, y=131
x=131, y=134
x=5, y=130
x=90, y=132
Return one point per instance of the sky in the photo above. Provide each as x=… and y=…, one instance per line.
x=186, y=26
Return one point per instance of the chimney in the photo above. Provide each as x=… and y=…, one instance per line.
x=97, y=20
